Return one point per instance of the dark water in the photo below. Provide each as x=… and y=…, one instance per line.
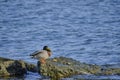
x=85, y=30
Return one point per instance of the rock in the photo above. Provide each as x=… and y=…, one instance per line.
x=62, y=67
x=55, y=68
x=9, y=67
x=31, y=67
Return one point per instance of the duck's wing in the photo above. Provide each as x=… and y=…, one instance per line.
x=36, y=53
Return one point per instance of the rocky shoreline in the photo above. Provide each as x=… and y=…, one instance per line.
x=55, y=68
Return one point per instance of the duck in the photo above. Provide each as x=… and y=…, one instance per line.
x=42, y=55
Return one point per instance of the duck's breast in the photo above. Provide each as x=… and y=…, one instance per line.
x=43, y=54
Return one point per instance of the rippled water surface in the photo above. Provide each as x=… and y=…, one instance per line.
x=85, y=30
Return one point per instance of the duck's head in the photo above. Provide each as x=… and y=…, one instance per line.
x=46, y=48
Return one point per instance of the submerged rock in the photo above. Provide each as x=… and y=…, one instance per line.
x=9, y=67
